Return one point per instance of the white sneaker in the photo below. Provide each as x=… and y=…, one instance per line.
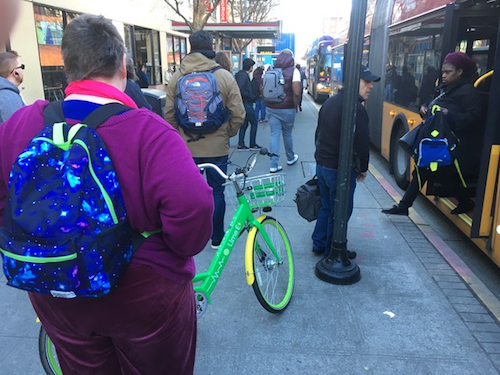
x=294, y=160
x=274, y=170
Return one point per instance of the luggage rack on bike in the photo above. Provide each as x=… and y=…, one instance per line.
x=261, y=191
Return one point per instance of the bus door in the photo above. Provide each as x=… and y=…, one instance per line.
x=474, y=29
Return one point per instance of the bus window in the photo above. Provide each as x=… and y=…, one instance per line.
x=415, y=54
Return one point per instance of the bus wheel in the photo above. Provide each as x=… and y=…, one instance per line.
x=400, y=161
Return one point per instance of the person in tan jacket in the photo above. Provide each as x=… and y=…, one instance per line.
x=213, y=147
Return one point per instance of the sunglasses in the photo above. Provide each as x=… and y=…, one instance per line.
x=22, y=66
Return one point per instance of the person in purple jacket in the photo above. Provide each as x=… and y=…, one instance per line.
x=147, y=324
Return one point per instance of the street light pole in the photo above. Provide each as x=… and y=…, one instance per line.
x=337, y=268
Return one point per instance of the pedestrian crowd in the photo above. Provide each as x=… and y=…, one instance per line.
x=155, y=159
x=154, y=178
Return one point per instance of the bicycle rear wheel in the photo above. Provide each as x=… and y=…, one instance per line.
x=48, y=355
x=274, y=279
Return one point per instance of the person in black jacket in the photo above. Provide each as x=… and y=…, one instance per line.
x=143, y=77
x=327, y=139
x=260, y=106
x=461, y=104
x=428, y=85
x=243, y=81
x=132, y=89
x=406, y=90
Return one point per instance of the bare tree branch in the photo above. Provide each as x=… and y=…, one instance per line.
x=200, y=15
x=176, y=9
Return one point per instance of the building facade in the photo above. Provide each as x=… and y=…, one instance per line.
x=144, y=25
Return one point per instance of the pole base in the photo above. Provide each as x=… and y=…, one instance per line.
x=337, y=268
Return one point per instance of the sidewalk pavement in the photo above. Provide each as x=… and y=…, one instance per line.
x=409, y=314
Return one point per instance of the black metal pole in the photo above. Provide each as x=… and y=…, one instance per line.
x=337, y=268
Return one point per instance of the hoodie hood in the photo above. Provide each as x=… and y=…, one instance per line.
x=197, y=62
x=284, y=60
x=5, y=84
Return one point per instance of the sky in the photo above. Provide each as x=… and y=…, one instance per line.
x=305, y=18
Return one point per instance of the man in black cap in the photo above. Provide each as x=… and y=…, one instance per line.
x=327, y=139
x=212, y=147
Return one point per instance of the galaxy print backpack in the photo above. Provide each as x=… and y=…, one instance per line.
x=66, y=232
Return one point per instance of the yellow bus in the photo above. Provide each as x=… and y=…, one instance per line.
x=413, y=37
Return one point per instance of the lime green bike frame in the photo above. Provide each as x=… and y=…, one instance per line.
x=243, y=219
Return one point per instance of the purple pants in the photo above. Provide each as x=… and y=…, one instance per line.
x=147, y=325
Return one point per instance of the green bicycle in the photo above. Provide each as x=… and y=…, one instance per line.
x=269, y=267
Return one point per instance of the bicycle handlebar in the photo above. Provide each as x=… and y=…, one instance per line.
x=213, y=166
x=239, y=171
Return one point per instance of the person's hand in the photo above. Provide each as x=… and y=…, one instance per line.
x=444, y=110
x=361, y=176
x=423, y=110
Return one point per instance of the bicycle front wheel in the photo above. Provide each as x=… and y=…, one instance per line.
x=274, y=275
x=48, y=355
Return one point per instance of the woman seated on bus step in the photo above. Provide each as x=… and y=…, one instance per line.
x=460, y=103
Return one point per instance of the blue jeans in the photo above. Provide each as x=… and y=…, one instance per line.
x=281, y=122
x=215, y=181
x=323, y=231
x=249, y=118
x=260, y=107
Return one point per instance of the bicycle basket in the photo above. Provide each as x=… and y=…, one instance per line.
x=263, y=191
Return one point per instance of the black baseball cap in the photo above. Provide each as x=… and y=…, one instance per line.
x=366, y=74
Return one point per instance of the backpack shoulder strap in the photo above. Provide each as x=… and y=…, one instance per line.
x=54, y=113
x=103, y=113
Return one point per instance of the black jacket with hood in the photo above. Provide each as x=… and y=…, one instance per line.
x=243, y=81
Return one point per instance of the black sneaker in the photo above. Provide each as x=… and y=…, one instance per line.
x=463, y=208
x=396, y=210
x=255, y=148
x=243, y=148
x=216, y=244
x=318, y=251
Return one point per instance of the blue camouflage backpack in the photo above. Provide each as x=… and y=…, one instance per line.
x=198, y=104
x=66, y=232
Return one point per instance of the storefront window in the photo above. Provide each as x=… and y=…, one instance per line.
x=176, y=50
x=129, y=40
x=156, y=57
x=170, y=49
x=147, y=47
x=49, y=24
x=183, y=48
